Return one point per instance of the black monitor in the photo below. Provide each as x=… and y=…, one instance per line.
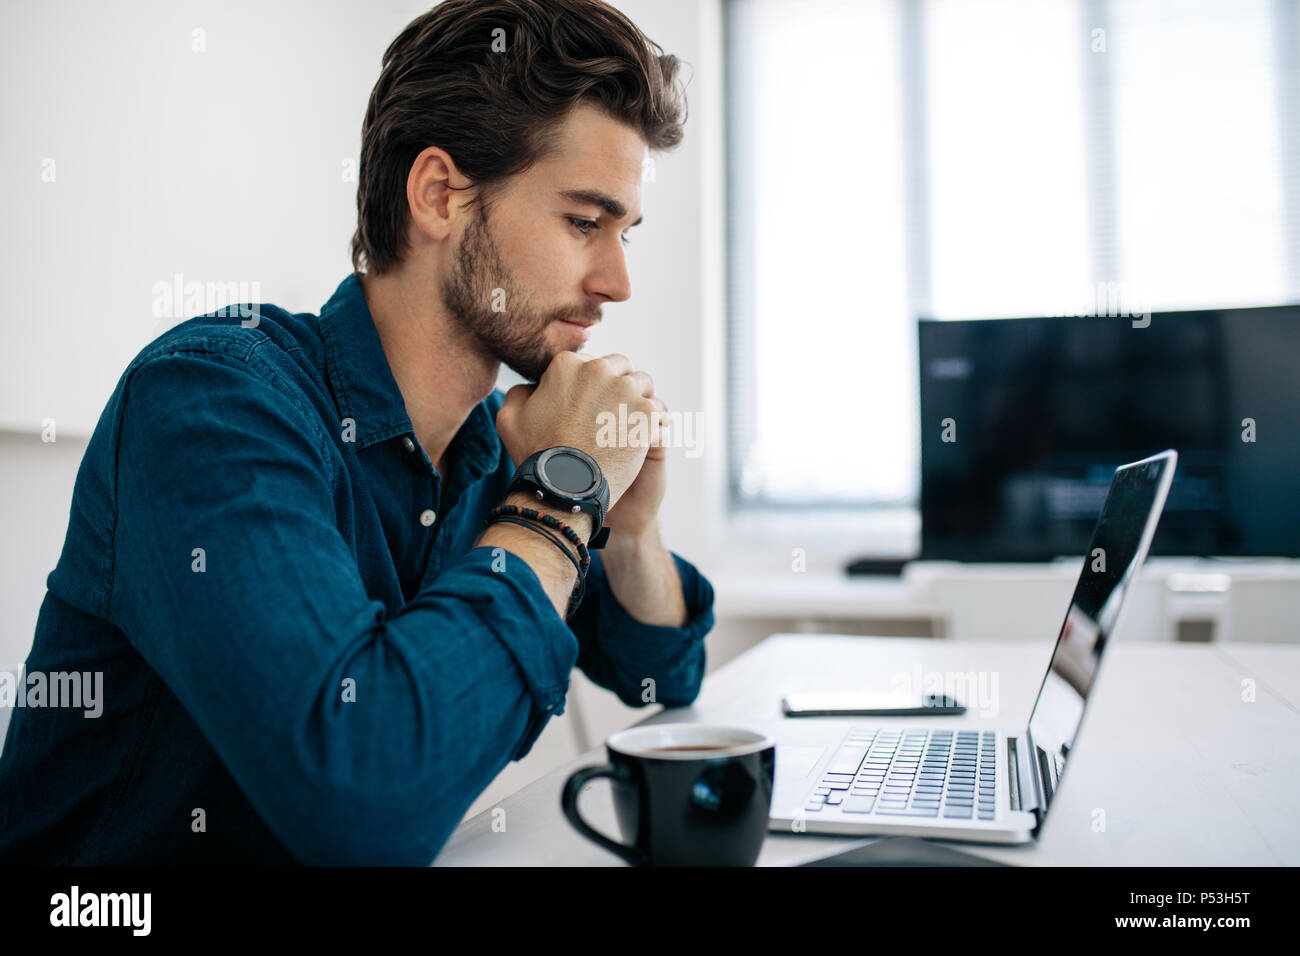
x=1024, y=420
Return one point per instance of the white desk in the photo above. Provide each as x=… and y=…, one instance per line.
x=1186, y=772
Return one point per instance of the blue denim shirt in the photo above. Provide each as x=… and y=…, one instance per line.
x=295, y=667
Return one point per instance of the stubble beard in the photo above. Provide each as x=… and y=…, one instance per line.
x=480, y=279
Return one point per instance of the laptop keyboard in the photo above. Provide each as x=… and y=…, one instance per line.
x=889, y=772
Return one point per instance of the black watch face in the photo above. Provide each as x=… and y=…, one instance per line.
x=569, y=474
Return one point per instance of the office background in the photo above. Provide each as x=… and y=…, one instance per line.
x=888, y=159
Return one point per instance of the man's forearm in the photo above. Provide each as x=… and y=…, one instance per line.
x=553, y=570
x=643, y=578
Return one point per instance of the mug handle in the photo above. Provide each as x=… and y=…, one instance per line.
x=569, y=802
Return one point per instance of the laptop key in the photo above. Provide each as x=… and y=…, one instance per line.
x=907, y=812
x=847, y=760
x=856, y=804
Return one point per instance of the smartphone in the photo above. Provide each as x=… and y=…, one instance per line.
x=883, y=704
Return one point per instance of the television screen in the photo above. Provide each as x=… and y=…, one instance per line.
x=1024, y=421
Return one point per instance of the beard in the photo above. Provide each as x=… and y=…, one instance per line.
x=480, y=279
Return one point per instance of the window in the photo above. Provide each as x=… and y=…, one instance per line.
x=979, y=158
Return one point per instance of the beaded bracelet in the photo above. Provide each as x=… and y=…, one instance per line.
x=580, y=587
x=550, y=521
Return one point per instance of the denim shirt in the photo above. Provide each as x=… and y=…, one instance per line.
x=304, y=658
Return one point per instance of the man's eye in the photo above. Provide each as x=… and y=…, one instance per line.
x=584, y=226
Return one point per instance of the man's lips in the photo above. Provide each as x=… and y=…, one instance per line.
x=580, y=330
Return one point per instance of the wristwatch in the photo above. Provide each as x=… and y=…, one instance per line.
x=568, y=479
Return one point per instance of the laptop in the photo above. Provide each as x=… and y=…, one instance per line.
x=972, y=784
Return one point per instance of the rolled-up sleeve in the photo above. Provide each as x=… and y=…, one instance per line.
x=644, y=663
x=359, y=737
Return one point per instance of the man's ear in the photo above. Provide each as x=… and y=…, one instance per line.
x=435, y=193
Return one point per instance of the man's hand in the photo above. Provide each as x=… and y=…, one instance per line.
x=638, y=509
x=564, y=408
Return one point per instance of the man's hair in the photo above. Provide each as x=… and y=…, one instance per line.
x=447, y=82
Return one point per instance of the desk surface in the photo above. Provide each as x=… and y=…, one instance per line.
x=1183, y=770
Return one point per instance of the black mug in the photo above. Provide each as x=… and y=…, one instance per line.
x=684, y=794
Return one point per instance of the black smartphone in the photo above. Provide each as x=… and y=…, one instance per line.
x=883, y=704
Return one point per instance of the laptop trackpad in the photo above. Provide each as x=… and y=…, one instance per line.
x=795, y=763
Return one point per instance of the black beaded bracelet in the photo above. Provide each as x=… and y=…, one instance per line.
x=580, y=588
x=550, y=521
x=500, y=519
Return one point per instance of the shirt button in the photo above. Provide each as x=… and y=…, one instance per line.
x=407, y=443
x=428, y=516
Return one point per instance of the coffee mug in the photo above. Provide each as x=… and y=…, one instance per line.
x=684, y=794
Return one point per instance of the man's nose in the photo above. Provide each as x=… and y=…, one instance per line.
x=611, y=280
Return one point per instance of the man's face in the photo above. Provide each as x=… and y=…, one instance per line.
x=551, y=248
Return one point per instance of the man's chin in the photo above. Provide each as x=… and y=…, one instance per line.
x=530, y=371
x=531, y=367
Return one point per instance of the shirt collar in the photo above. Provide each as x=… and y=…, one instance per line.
x=366, y=392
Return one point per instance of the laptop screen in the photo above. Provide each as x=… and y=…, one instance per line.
x=1119, y=544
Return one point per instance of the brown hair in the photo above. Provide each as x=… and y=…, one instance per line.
x=443, y=84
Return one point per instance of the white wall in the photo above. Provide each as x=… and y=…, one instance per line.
x=224, y=165
x=35, y=496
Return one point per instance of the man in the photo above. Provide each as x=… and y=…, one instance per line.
x=312, y=648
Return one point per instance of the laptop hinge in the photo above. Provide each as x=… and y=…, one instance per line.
x=1023, y=784
x=1013, y=774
